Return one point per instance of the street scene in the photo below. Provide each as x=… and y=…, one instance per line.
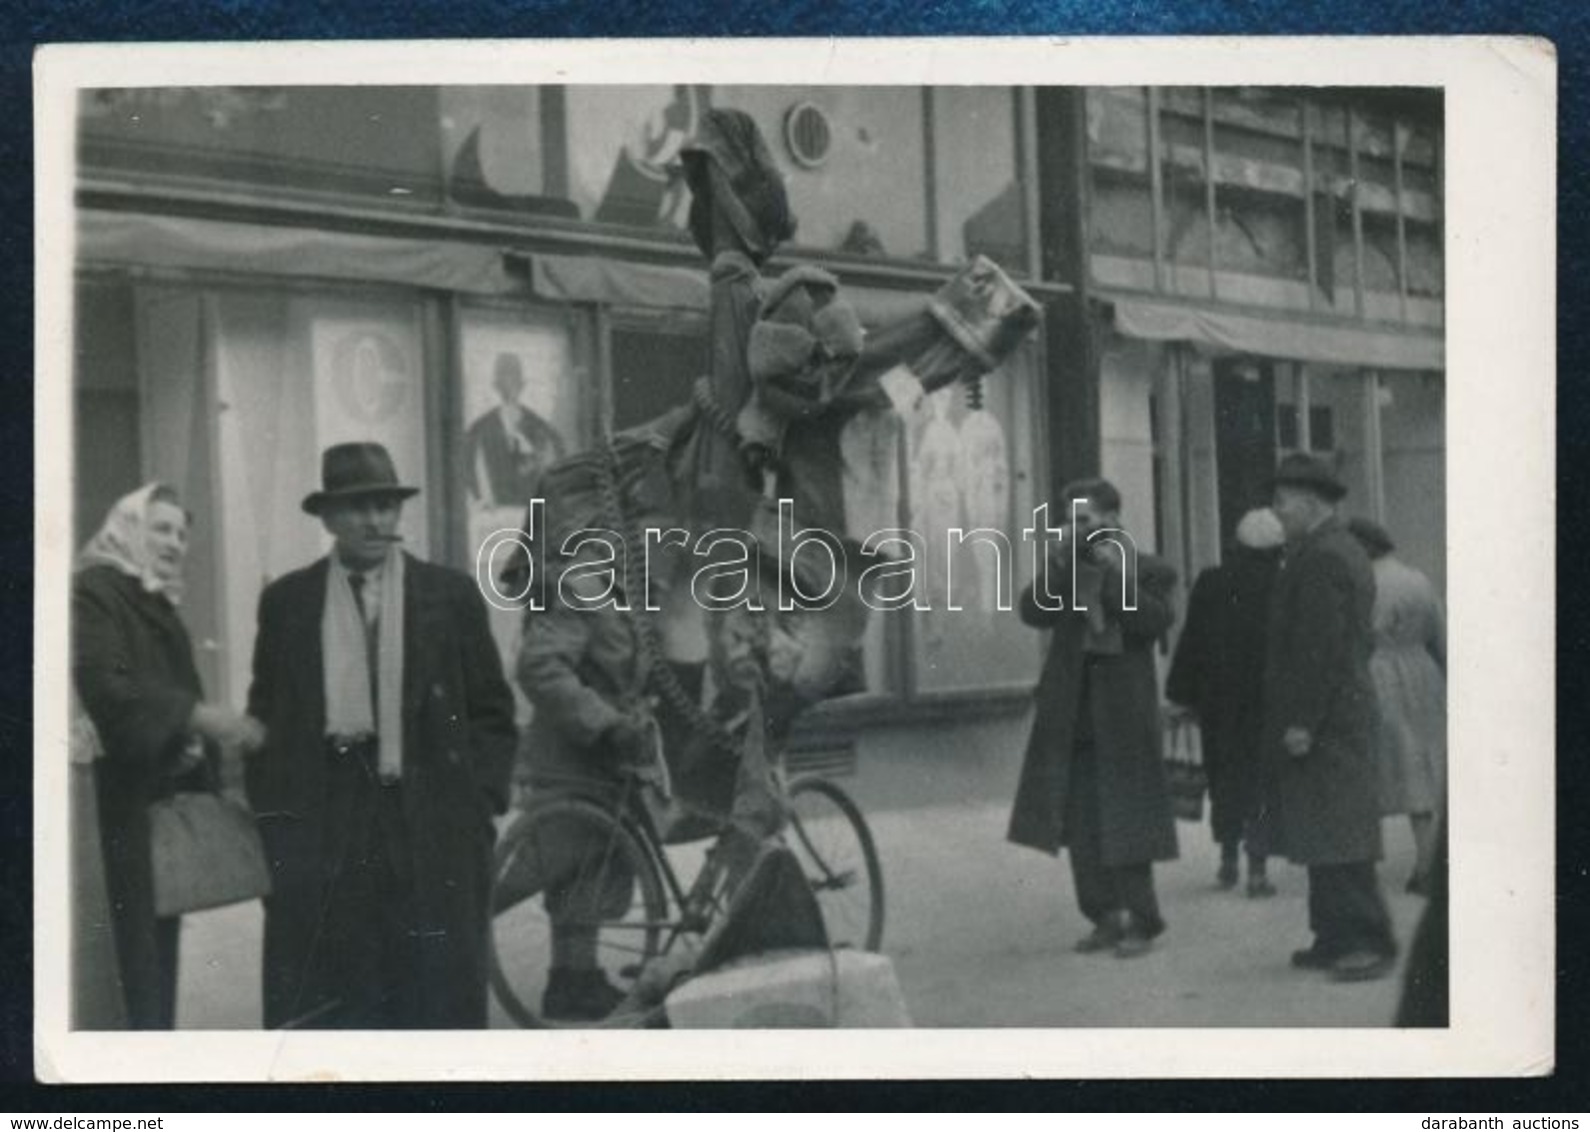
x=981, y=935
x=711, y=555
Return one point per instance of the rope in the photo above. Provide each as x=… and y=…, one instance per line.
x=658, y=672
x=719, y=417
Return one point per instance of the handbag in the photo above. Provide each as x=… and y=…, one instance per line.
x=206, y=853
x=1185, y=777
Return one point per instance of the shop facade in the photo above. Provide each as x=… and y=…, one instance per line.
x=485, y=279
x=1268, y=272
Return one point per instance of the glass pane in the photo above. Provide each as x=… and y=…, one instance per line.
x=1337, y=413
x=107, y=417
x=624, y=152
x=980, y=204
x=1426, y=267
x=1259, y=185
x=1181, y=156
x=655, y=367
x=1121, y=212
x=294, y=375
x=1412, y=435
x=494, y=149
x=973, y=468
x=522, y=384
x=865, y=193
x=368, y=141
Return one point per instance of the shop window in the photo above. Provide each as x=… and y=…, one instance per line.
x=654, y=365
x=868, y=196
x=230, y=396
x=623, y=152
x=979, y=204
x=1413, y=440
x=1121, y=211
x=1246, y=436
x=970, y=460
x=527, y=399
x=1258, y=162
x=377, y=142
x=293, y=374
x=1321, y=428
x=503, y=149
x=1184, y=177
x=106, y=411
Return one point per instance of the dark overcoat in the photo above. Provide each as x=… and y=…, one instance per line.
x=132, y=664
x=1135, y=820
x=458, y=742
x=1218, y=672
x=1317, y=677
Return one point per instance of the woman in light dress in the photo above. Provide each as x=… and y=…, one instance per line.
x=1409, y=671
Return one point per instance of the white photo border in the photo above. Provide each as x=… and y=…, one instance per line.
x=1500, y=129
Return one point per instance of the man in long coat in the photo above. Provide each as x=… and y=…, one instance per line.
x=1093, y=779
x=390, y=737
x=1218, y=673
x=1319, y=720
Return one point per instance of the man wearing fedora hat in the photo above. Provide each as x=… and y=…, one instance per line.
x=1319, y=718
x=390, y=736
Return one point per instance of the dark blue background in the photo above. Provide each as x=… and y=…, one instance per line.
x=27, y=24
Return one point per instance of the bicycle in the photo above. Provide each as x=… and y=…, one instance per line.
x=621, y=885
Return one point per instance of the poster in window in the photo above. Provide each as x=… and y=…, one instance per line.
x=521, y=415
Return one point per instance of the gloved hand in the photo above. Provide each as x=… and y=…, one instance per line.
x=626, y=743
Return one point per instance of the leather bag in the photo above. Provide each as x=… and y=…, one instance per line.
x=1185, y=777
x=206, y=853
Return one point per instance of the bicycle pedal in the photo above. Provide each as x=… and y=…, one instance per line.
x=833, y=880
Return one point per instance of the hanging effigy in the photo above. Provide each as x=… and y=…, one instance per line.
x=741, y=518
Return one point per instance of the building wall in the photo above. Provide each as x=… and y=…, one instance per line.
x=1128, y=374
x=276, y=361
x=1413, y=432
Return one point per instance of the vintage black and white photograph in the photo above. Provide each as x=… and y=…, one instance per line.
x=709, y=554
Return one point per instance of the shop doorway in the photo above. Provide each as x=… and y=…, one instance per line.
x=1245, y=446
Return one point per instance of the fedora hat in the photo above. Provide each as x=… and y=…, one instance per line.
x=351, y=471
x=1310, y=472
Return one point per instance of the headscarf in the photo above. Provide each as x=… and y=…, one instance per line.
x=1260, y=529
x=122, y=542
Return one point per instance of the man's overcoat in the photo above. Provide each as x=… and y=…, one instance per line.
x=458, y=742
x=1135, y=821
x=1317, y=678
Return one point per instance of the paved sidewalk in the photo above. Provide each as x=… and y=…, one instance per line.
x=981, y=934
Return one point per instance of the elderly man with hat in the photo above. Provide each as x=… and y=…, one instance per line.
x=1319, y=721
x=390, y=740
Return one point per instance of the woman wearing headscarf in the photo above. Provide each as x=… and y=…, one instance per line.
x=134, y=673
x=1408, y=668
x=1218, y=674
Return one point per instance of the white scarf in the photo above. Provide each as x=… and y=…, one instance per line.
x=123, y=542
x=347, y=667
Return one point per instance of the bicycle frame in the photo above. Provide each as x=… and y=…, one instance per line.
x=695, y=917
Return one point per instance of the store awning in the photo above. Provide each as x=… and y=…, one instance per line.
x=143, y=240
x=615, y=282
x=611, y=282
x=1232, y=332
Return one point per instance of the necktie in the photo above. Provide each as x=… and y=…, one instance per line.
x=356, y=582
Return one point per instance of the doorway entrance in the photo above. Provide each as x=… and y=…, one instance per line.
x=1245, y=446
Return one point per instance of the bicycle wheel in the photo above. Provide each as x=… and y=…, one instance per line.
x=833, y=844
x=571, y=862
